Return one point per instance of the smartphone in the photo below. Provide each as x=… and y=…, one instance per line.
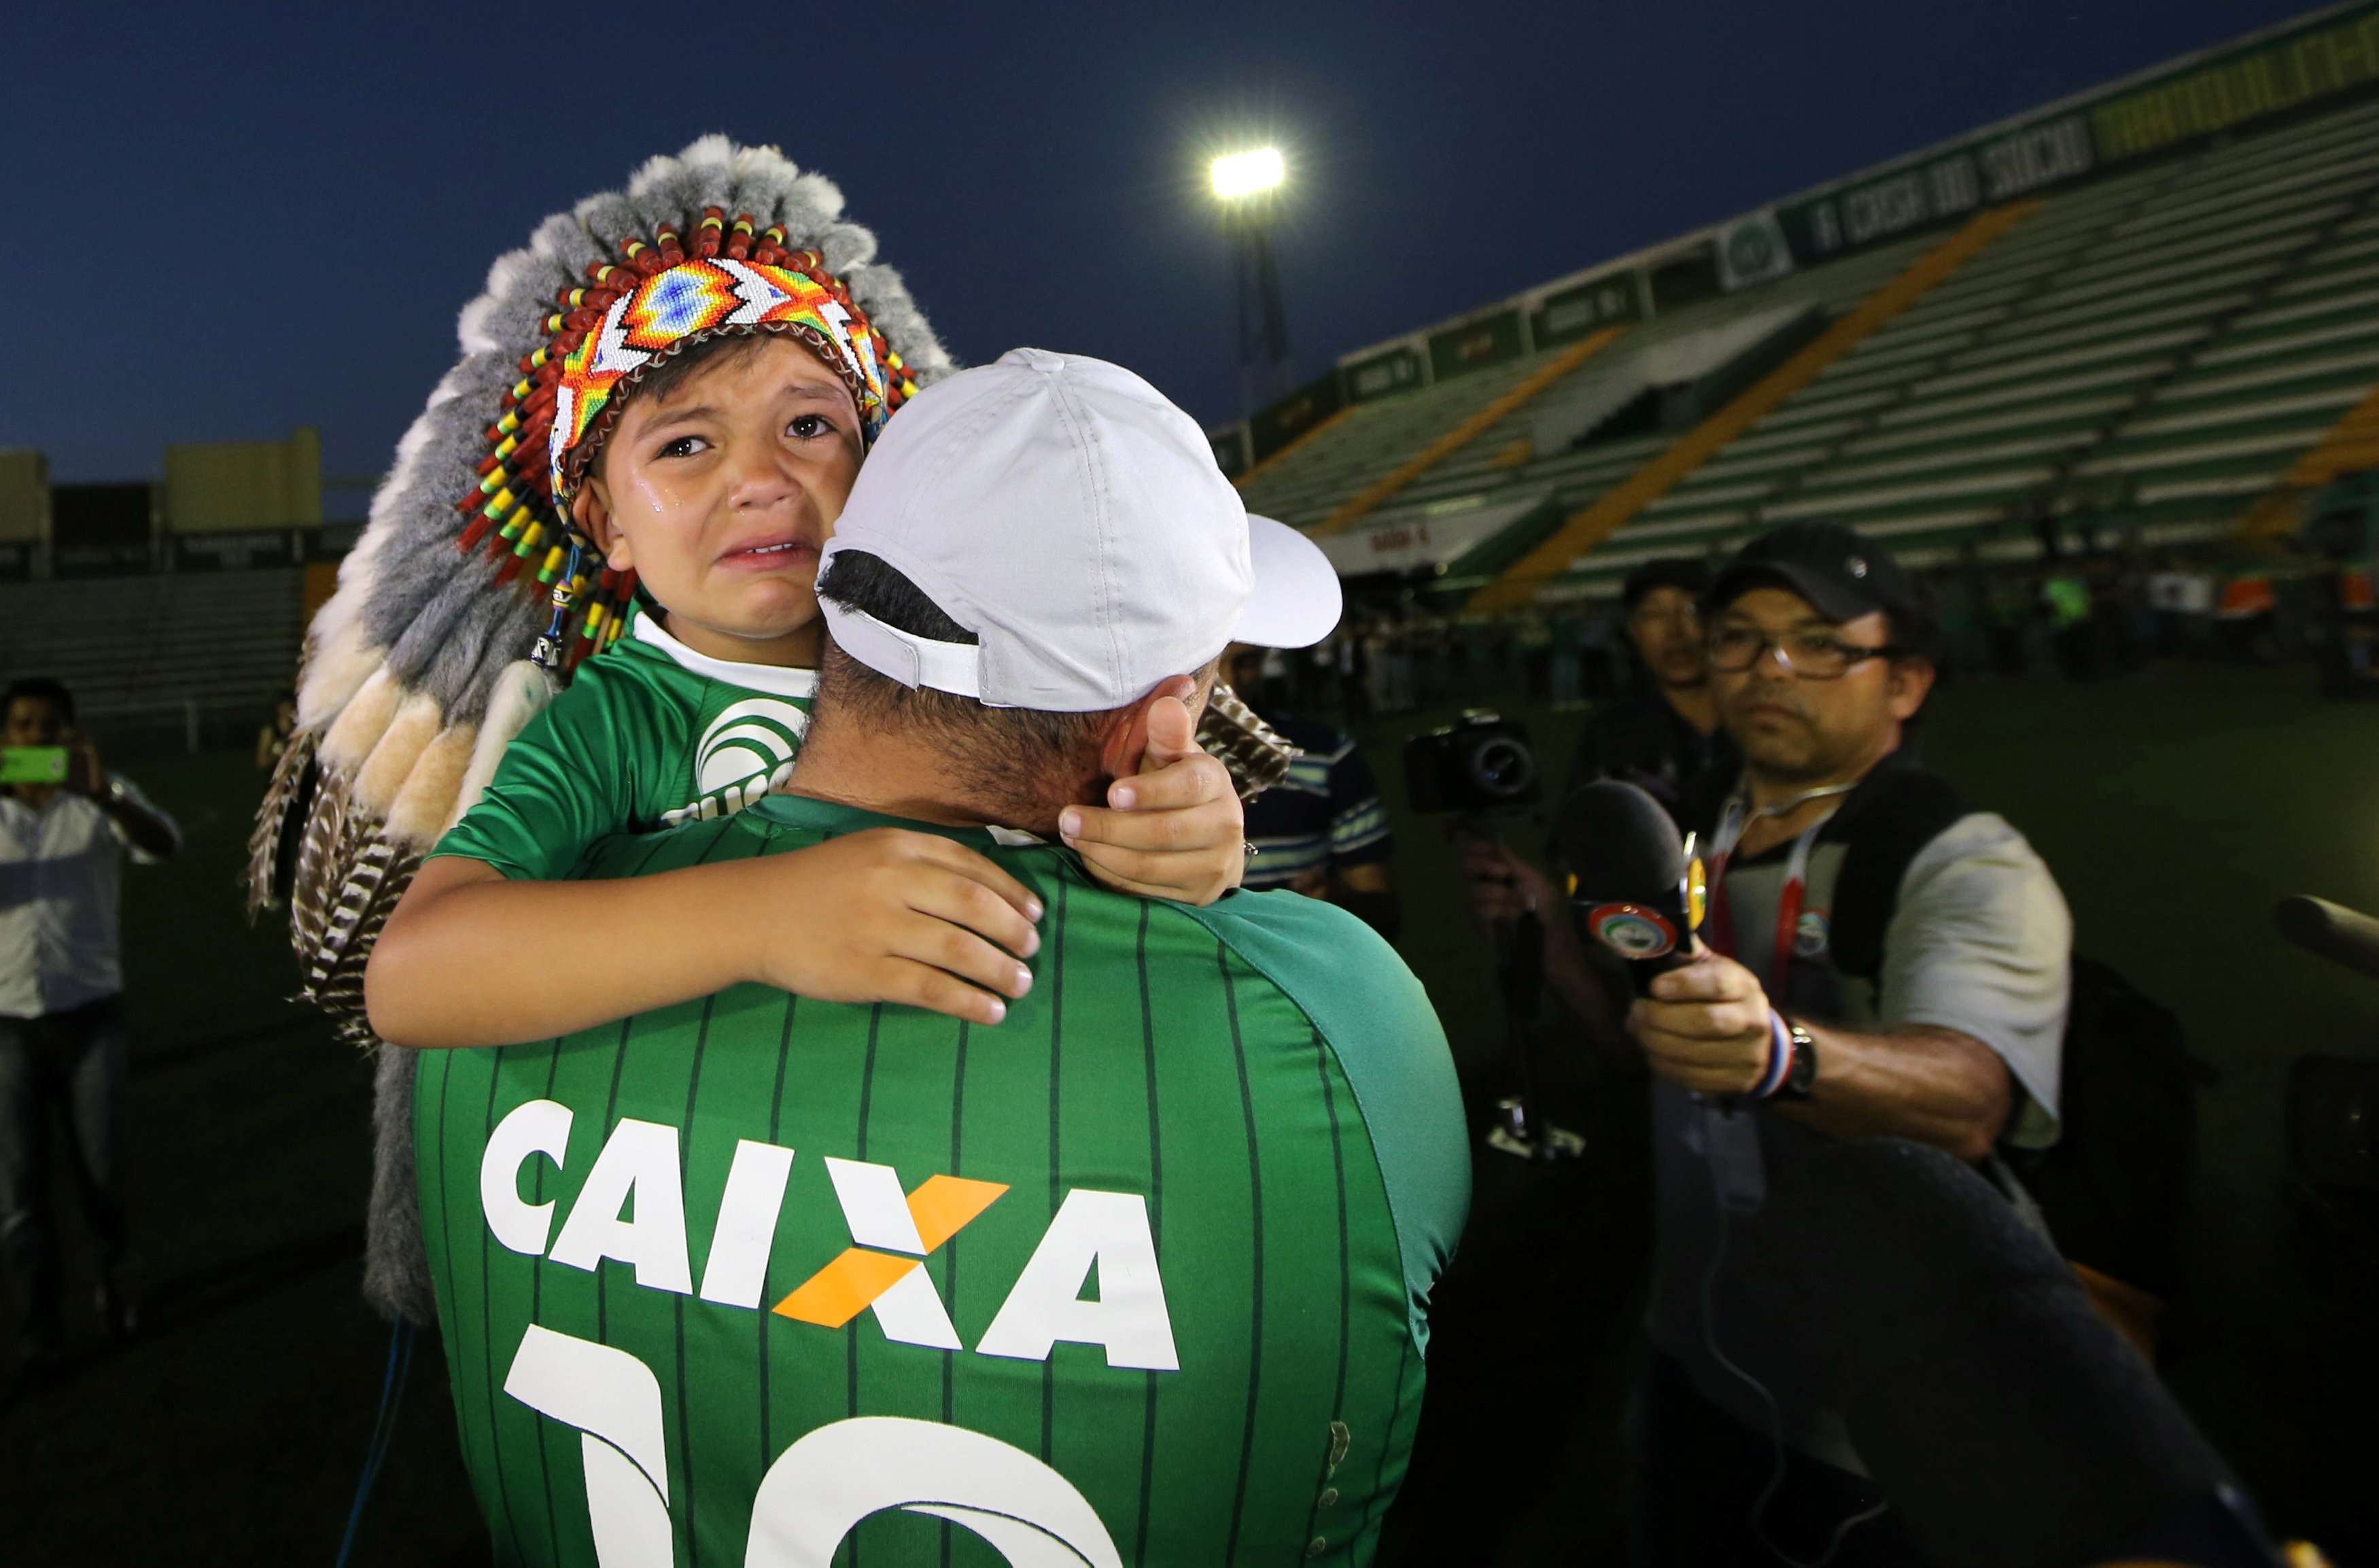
x=33, y=765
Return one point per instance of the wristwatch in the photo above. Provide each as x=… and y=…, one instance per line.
x=1802, y=1076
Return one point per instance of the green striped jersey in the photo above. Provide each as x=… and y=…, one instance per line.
x=1139, y=1275
x=649, y=734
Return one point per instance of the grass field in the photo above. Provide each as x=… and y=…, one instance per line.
x=2173, y=806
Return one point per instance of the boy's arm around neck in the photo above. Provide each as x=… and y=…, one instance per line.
x=885, y=915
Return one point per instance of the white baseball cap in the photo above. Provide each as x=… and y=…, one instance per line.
x=1062, y=511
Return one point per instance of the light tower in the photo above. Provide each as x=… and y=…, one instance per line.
x=1248, y=187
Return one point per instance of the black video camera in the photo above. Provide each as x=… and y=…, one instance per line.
x=1481, y=763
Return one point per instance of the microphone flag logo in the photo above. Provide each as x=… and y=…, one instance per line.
x=1632, y=931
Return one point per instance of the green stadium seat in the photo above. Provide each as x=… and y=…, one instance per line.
x=2174, y=337
x=148, y=646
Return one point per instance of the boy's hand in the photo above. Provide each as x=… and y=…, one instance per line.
x=888, y=915
x=1172, y=830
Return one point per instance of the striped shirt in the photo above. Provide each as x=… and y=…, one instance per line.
x=1325, y=814
x=1138, y=1276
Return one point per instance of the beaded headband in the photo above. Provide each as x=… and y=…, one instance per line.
x=696, y=299
x=629, y=317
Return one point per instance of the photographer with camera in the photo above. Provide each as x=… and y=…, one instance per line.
x=1666, y=741
x=65, y=824
x=1880, y=961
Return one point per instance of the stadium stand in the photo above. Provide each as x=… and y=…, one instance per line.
x=2177, y=352
x=1556, y=366
x=1363, y=444
x=1366, y=443
x=2113, y=361
x=166, y=647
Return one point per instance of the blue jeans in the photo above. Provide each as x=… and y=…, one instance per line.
x=72, y=1061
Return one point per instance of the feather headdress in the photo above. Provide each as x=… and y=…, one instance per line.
x=428, y=659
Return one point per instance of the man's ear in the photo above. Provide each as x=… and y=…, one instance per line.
x=593, y=510
x=1127, y=736
x=1912, y=681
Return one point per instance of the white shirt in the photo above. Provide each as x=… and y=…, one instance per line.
x=60, y=868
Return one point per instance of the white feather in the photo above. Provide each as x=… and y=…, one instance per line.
x=337, y=664
x=362, y=720
x=424, y=807
x=391, y=758
x=521, y=691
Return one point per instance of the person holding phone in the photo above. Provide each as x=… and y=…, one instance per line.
x=65, y=824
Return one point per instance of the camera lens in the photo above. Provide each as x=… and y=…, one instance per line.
x=1502, y=768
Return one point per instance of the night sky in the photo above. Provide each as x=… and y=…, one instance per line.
x=230, y=220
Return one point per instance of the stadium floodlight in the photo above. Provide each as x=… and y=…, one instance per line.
x=1245, y=186
x=1248, y=174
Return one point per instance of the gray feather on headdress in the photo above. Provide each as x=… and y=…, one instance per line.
x=409, y=688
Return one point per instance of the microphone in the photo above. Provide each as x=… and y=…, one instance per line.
x=1634, y=885
x=2006, y=1423
x=2329, y=931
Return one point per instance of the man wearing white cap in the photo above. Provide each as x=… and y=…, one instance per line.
x=1138, y=1275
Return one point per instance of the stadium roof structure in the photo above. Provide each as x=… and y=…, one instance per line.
x=2144, y=311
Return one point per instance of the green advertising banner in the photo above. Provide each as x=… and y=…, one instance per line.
x=2241, y=85
x=1998, y=169
x=1383, y=375
x=1276, y=426
x=1574, y=312
x=2324, y=57
x=1475, y=345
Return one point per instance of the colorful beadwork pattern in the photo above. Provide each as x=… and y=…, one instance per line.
x=629, y=316
x=680, y=303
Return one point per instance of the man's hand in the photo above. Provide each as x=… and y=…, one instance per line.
x=1501, y=888
x=890, y=915
x=1173, y=830
x=85, y=774
x=1499, y=885
x=1705, y=1027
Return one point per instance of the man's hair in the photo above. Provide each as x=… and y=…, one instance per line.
x=43, y=687
x=1015, y=744
x=1685, y=572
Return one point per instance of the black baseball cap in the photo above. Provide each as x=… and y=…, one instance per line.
x=1684, y=572
x=1839, y=571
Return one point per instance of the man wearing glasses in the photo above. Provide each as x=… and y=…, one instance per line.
x=1666, y=741
x=1939, y=1019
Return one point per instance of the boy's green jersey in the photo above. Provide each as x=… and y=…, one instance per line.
x=1138, y=1276
x=650, y=733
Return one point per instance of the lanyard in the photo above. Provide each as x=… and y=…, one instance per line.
x=1732, y=823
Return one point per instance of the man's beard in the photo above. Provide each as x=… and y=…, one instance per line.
x=1789, y=752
